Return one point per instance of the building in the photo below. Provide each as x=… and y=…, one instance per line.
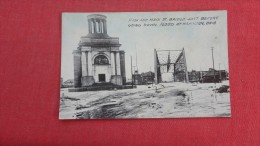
x=137, y=78
x=147, y=77
x=209, y=76
x=61, y=82
x=143, y=78
x=68, y=83
x=195, y=76
x=202, y=76
x=98, y=58
x=214, y=76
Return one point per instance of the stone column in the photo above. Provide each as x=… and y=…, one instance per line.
x=122, y=65
x=117, y=78
x=90, y=70
x=87, y=78
x=118, y=68
x=105, y=26
x=95, y=25
x=112, y=62
x=84, y=64
x=89, y=26
x=77, y=68
x=99, y=26
x=92, y=26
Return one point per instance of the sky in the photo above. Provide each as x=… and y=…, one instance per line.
x=197, y=40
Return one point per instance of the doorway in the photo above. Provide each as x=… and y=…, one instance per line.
x=102, y=77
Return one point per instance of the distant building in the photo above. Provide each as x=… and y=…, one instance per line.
x=147, y=77
x=195, y=76
x=137, y=78
x=98, y=58
x=214, y=76
x=208, y=76
x=68, y=83
x=143, y=78
x=179, y=76
x=61, y=82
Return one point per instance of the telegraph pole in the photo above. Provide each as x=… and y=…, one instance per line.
x=219, y=73
x=185, y=68
x=132, y=73
x=136, y=62
x=155, y=67
x=212, y=49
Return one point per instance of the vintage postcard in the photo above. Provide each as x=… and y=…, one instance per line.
x=144, y=65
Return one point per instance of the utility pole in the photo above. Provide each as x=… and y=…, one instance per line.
x=200, y=75
x=132, y=73
x=136, y=59
x=219, y=73
x=186, y=69
x=136, y=62
x=212, y=49
x=155, y=67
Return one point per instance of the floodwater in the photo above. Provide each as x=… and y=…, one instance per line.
x=170, y=100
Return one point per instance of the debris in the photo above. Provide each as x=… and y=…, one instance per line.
x=222, y=89
x=181, y=93
x=81, y=107
x=70, y=98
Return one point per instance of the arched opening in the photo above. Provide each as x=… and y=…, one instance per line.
x=101, y=60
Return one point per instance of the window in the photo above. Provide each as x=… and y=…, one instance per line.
x=101, y=60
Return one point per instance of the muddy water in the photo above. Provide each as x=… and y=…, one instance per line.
x=105, y=111
x=109, y=107
x=170, y=102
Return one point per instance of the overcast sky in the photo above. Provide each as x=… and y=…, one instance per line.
x=197, y=40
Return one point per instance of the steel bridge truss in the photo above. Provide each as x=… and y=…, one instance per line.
x=170, y=61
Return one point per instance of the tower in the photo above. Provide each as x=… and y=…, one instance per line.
x=98, y=58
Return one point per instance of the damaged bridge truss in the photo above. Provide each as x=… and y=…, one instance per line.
x=170, y=61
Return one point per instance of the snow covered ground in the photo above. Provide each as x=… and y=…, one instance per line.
x=165, y=100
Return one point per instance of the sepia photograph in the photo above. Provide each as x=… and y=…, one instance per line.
x=128, y=65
